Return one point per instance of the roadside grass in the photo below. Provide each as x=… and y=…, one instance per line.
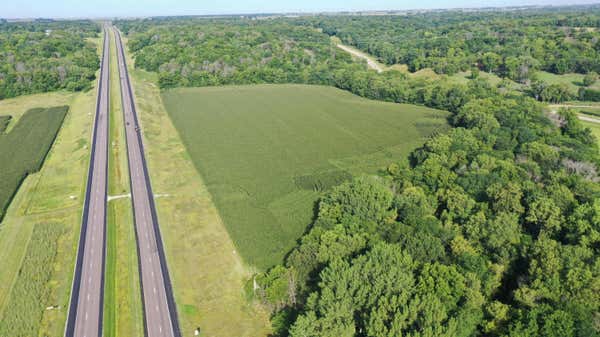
x=24, y=149
x=123, y=304
x=54, y=195
x=30, y=293
x=208, y=275
x=267, y=151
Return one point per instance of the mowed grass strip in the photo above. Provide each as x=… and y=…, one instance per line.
x=24, y=148
x=267, y=151
x=30, y=294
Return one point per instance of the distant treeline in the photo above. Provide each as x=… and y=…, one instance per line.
x=41, y=56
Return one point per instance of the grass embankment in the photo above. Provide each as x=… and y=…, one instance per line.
x=207, y=274
x=122, y=295
x=267, y=151
x=24, y=148
x=54, y=195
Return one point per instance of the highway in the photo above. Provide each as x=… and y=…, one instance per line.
x=86, y=305
x=160, y=315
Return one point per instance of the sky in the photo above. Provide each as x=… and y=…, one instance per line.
x=134, y=8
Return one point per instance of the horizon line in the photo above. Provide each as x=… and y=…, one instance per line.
x=301, y=12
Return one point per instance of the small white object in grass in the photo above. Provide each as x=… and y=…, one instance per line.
x=234, y=252
x=197, y=332
x=72, y=197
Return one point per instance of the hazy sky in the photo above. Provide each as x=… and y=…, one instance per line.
x=106, y=8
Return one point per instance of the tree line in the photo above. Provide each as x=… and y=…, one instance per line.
x=46, y=55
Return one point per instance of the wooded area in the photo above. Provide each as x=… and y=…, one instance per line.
x=41, y=56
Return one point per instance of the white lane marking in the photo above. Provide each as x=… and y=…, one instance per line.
x=88, y=297
x=86, y=315
x=156, y=307
x=90, y=279
x=153, y=288
x=160, y=328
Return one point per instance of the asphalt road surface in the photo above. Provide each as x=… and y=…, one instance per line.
x=85, y=309
x=160, y=315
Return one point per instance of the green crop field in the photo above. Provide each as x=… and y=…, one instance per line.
x=267, y=151
x=24, y=148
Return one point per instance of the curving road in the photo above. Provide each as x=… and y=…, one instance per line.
x=86, y=305
x=160, y=315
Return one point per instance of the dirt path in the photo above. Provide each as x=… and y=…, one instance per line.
x=554, y=109
x=371, y=62
x=589, y=119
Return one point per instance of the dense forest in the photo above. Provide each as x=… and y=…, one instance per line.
x=513, y=44
x=490, y=229
x=41, y=56
x=191, y=52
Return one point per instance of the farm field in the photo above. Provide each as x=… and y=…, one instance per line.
x=24, y=148
x=267, y=151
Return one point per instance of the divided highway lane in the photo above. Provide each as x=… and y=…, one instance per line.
x=160, y=314
x=86, y=305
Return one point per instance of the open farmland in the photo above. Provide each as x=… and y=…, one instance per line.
x=23, y=149
x=267, y=151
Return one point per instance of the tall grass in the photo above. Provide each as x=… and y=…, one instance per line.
x=29, y=296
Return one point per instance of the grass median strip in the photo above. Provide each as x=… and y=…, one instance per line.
x=122, y=305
